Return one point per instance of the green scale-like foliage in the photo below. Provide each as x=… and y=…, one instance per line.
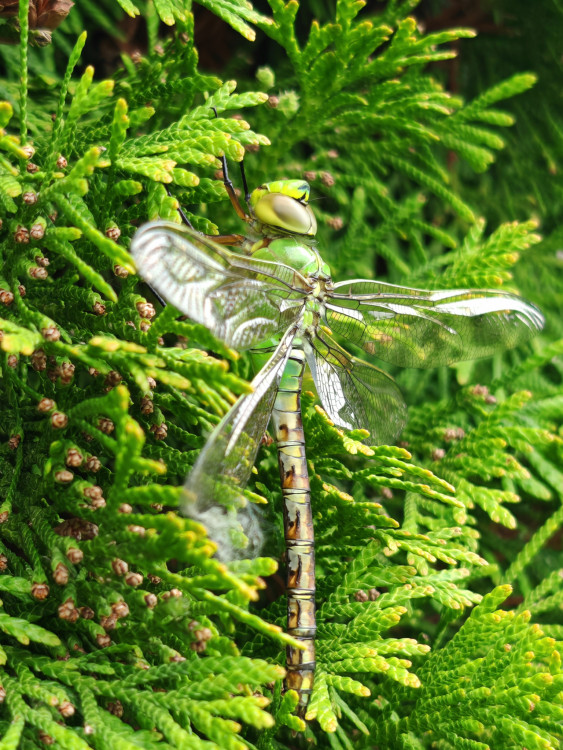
x=118, y=626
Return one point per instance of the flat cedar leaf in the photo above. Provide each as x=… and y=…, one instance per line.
x=25, y=631
x=129, y=7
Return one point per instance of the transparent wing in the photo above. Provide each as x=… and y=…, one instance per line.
x=243, y=301
x=214, y=486
x=417, y=328
x=354, y=393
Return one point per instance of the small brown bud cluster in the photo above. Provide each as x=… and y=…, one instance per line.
x=38, y=272
x=134, y=579
x=370, y=596
x=120, y=609
x=42, y=261
x=335, y=222
x=125, y=508
x=309, y=175
x=64, y=476
x=151, y=601
x=12, y=361
x=98, y=308
x=3, y=562
x=38, y=360
x=45, y=738
x=31, y=167
x=113, y=378
x=201, y=636
x=74, y=555
x=154, y=579
x=387, y=493
x=98, y=502
x=21, y=235
x=40, y=591
x=14, y=442
x=103, y=640
x=121, y=272
x=29, y=197
x=37, y=232
x=60, y=574
x=327, y=179
x=68, y=611
x=273, y=101
x=113, y=232
x=147, y=406
x=151, y=382
x=2, y=693
x=6, y=297
x=115, y=708
x=45, y=405
x=438, y=454
x=59, y=420
x=95, y=495
x=454, y=433
x=62, y=162
x=87, y=613
x=106, y=425
x=120, y=567
x=134, y=529
x=144, y=325
x=93, y=464
x=51, y=333
x=21, y=290
x=73, y=457
x=108, y=622
x=160, y=431
x=64, y=372
x=145, y=310
x=482, y=390
x=66, y=709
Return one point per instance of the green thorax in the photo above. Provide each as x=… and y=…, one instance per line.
x=293, y=252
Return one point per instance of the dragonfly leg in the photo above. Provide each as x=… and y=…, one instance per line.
x=298, y=530
x=221, y=239
x=229, y=187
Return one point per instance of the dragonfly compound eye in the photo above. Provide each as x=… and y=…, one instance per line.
x=284, y=212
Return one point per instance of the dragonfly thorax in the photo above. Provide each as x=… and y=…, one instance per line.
x=292, y=251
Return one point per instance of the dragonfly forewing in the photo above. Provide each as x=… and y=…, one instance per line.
x=416, y=328
x=242, y=301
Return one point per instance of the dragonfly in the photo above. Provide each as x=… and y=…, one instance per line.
x=273, y=291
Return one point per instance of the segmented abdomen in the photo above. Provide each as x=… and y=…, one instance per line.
x=298, y=528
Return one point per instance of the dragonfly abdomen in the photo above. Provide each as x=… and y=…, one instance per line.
x=298, y=528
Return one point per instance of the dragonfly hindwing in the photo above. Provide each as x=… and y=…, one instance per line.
x=214, y=488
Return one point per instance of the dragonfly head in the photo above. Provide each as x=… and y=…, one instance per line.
x=283, y=205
